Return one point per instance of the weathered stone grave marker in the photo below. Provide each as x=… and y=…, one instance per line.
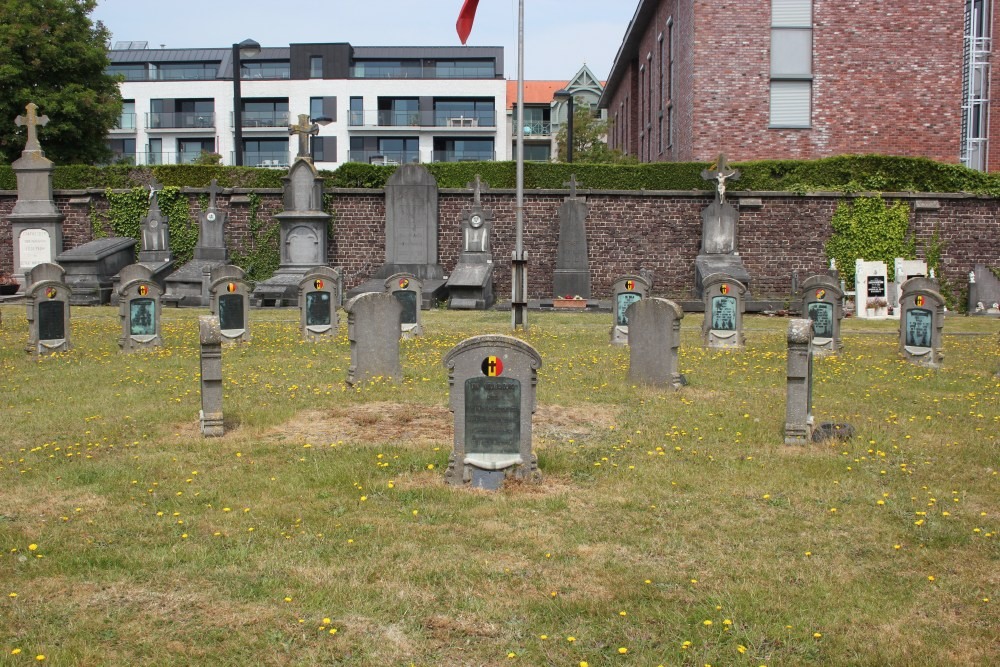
x=139, y=308
x=319, y=299
x=492, y=382
x=625, y=291
x=408, y=290
x=921, y=322
x=724, y=308
x=470, y=286
x=373, y=331
x=210, y=336
x=654, y=338
x=823, y=303
x=572, y=273
x=188, y=285
x=229, y=300
x=47, y=300
x=798, y=396
x=903, y=270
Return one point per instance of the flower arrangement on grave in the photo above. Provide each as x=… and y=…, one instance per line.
x=8, y=283
x=877, y=302
x=569, y=301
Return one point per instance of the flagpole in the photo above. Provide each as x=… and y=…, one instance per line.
x=519, y=260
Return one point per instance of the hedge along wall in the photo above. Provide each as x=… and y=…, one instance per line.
x=627, y=231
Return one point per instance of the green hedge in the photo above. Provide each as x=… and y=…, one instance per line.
x=847, y=173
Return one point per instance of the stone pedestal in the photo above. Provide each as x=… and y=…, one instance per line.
x=798, y=401
x=706, y=265
x=210, y=337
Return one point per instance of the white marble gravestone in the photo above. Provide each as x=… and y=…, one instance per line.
x=871, y=289
x=903, y=270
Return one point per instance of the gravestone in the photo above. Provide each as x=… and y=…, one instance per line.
x=470, y=286
x=91, y=268
x=823, y=303
x=725, y=303
x=411, y=233
x=47, y=298
x=921, y=321
x=373, y=331
x=798, y=392
x=903, y=270
x=188, y=285
x=229, y=300
x=719, y=251
x=210, y=337
x=572, y=274
x=408, y=291
x=35, y=222
x=319, y=299
x=492, y=381
x=871, y=289
x=984, y=291
x=303, y=240
x=654, y=338
x=625, y=291
x=139, y=309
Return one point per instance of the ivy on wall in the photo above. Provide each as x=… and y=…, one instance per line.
x=127, y=209
x=866, y=228
x=260, y=256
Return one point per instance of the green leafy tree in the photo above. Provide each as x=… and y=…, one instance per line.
x=590, y=142
x=52, y=54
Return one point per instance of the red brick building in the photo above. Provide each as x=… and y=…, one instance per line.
x=760, y=79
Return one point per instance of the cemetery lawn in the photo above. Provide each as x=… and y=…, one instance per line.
x=671, y=528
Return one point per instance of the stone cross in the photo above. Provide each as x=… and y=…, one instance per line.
x=572, y=185
x=304, y=129
x=720, y=174
x=213, y=190
x=32, y=121
x=154, y=197
x=477, y=189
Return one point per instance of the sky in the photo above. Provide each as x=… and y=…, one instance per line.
x=560, y=36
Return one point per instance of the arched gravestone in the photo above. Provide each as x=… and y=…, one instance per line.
x=47, y=300
x=229, y=300
x=921, y=321
x=139, y=308
x=373, y=331
x=319, y=299
x=492, y=382
x=654, y=338
x=724, y=306
x=626, y=290
x=823, y=303
x=408, y=290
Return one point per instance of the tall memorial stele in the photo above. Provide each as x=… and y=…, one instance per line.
x=798, y=385
x=470, y=285
x=35, y=222
x=719, y=233
x=921, y=322
x=303, y=225
x=188, y=285
x=492, y=382
x=47, y=299
x=572, y=273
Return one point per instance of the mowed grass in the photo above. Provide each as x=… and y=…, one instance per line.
x=671, y=528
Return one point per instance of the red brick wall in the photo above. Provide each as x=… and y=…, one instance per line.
x=626, y=232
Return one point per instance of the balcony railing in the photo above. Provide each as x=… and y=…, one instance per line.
x=263, y=119
x=538, y=128
x=376, y=70
x=280, y=71
x=464, y=156
x=273, y=160
x=180, y=120
x=125, y=122
x=384, y=157
x=427, y=118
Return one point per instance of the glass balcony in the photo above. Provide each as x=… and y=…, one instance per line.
x=263, y=119
x=180, y=120
x=464, y=156
x=426, y=118
x=272, y=160
x=384, y=157
x=125, y=122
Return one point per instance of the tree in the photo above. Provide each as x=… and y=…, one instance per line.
x=52, y=54
x=589, y=139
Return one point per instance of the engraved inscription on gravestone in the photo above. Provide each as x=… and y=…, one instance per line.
x=51, y=320
x=35, y=247
x=918, y=327
x=141, y=317
x=231, y=312
x=408, y=299
x=724, y=313
x=625, y=299
x=492, y=415
x=876, y=286
x=318, y=310
x=821, y=315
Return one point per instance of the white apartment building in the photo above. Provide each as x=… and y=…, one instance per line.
x=388, y=105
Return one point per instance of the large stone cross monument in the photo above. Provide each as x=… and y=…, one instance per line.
x=719, y=233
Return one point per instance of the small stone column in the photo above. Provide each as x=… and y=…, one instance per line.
x=211, y=376
x=798, y=404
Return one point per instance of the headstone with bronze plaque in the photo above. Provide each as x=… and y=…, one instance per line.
x=139, y=308
x=625, y=291
x=823, y=303
x=408, y=290
x=229, y=300
x=492, y=382
x=725, y=304
x=319, y=299
x=921, y=321
x=47, y=299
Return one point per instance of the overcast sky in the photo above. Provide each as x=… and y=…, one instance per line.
x=559, y=35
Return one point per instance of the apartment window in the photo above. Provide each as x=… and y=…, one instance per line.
x=670, y=82
x=659, y=97
x=649, y=106
x=357, y=111
x=791, y=63
x=642, y=110
x=324, y=149
x=323, y=107
x=316, y=67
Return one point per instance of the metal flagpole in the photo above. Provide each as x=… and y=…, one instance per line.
x=519, y=259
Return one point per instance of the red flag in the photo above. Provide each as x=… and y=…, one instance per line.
x=465, y=18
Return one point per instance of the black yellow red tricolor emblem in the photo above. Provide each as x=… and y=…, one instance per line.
x=492, y=366
x=919, y=300
x=51, y=292
x=143, y=290
x=629, y=284
x=403, y=283
x=231, y=287
x=318, y=284
x=724, y=289
x=820, y=293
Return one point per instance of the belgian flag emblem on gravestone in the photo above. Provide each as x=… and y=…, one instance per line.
x=231, y=287
x=492, y=366
x=143, y=290
x=318, y=284
x=820, y=293
x=630, y=285
x=724, y=289
x=51, y=292
x=404, y=283
x=919, y=300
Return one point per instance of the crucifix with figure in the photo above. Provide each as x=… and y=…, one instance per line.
x=720, y=174
x=32, y=121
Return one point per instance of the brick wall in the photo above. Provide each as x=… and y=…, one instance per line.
x=627, y=231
